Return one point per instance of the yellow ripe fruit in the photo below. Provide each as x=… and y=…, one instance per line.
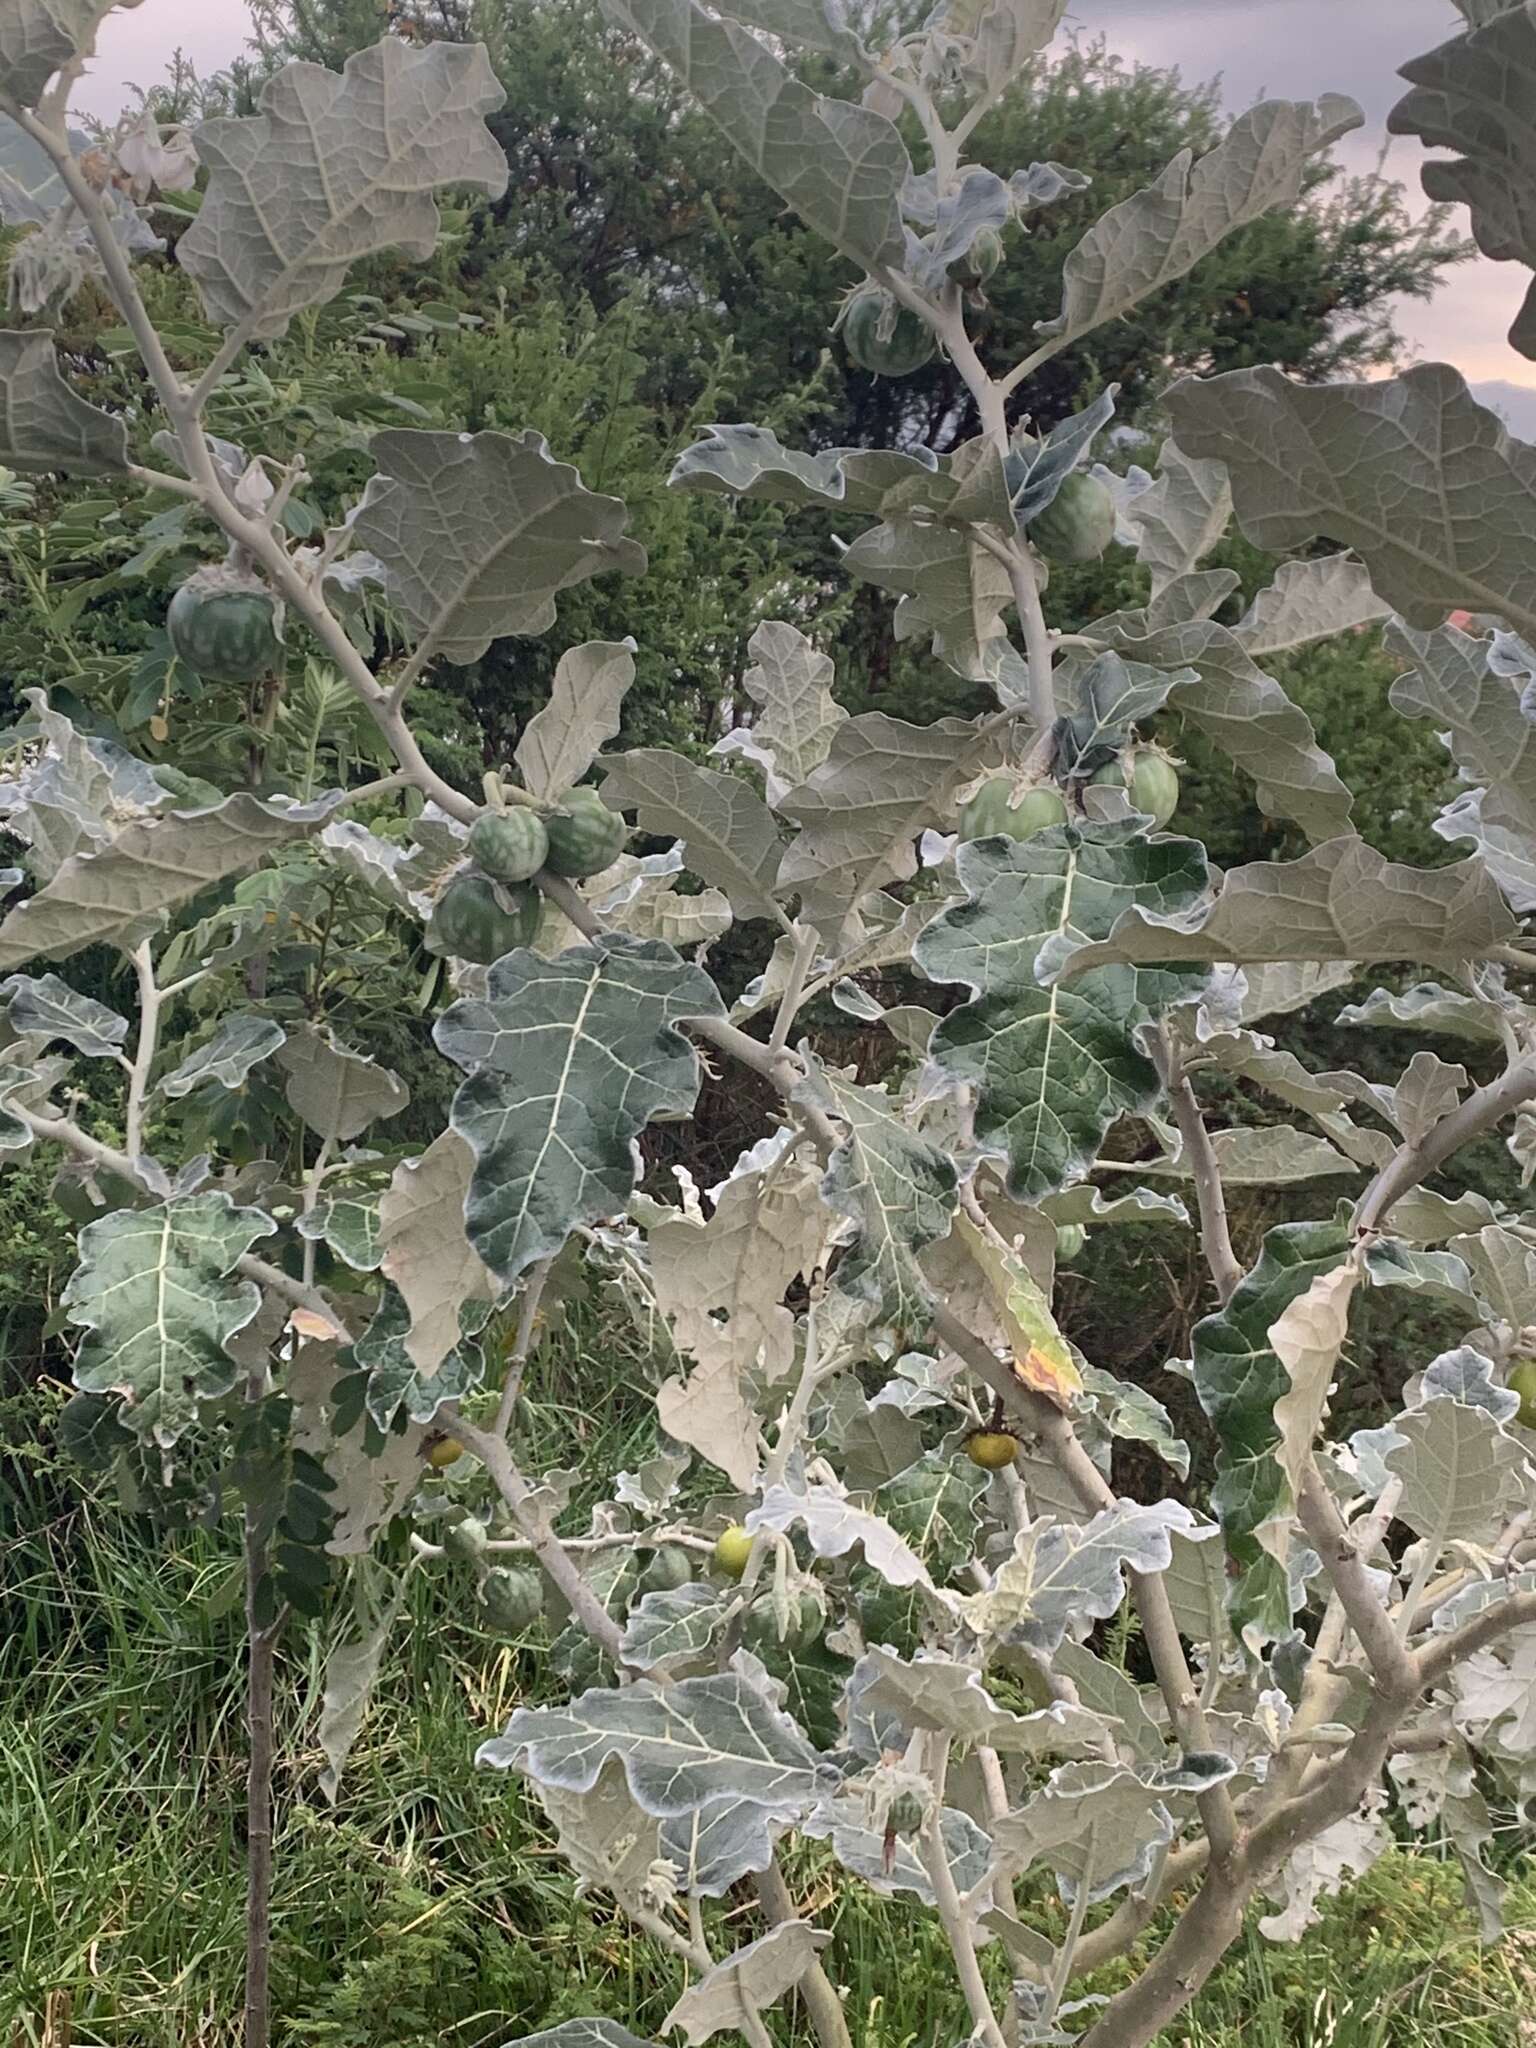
x=992, y=1449
x=732, y=1551
x=1522, y=1381
x=446, y=1451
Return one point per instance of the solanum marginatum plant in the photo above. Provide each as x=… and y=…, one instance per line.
x=810, y=1614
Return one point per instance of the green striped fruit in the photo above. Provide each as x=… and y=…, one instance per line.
x=805, y=1622
x=1149, y=779
x=992, y=813
x=513, y=1599
x=668, y=1568
x=509, y=846
x=475, y=920
x=979, y=261
x=887, y=339
x=226, y=626
x=1078, y=524
x=587, y=839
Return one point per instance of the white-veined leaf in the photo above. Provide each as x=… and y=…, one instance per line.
x=568, y=1060
x=681, y=1746
x=241, y=1041
x=154, y=1294
x=563, y=738
x=333, y=168
x=478, y=533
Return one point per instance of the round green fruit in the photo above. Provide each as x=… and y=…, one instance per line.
x=225, y=626
x=904, y=1815
x=1070, y=1239
x=509, y=846
x=979, y=262
x=887, y=339
x=513, y=1599
x=445, y=1452
x=1078, y=524
x=732, y=1551
x=587, y=839
x=992, y=812
x=466, y=1540
x=992, y=1449
x=475, y=920
x=669, y=1568
x=1149, y=779
x=804, y=1624
x=1522, y=1381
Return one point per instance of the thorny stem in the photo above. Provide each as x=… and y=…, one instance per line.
x=957, y=1927
x=314, y=1181
x=522, y=1345
x=1043, y=1419
x=948, y=322
x=1347, y=1574
x=1413, y=1163
x=144, y=1048
x=553, y=1558
x=815, y=1988
x=806, y=941
x=1210, y=1198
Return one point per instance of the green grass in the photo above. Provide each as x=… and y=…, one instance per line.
x=427, y=1910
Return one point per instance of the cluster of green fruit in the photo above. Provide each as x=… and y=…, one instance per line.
x=1000, y=810
x=487, y=910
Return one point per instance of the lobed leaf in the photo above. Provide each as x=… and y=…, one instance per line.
x=338, y=1093
x=44, y=425
x=241, y=1041
x=568, y=1060
x=897, y=1190
x=478, y=534
x=728, y=833
x=424, y=1249
x=1239, y=1379
x=47, y=1008
x=563, y=738
x=1160, y=233
x=680, y=1745
x=154, y=1295
x=1052, y=1068
x=1469, y=96
x=1341, y=901
x=123, y=889
x=736, y=1991
x=333, y=168
x=1426, y=485
x=841, y=167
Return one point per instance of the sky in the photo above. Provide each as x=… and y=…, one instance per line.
x=1292, y=49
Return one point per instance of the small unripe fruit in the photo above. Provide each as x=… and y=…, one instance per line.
x=1149, y=779
x=993, y=812
x=1522, y=1381
x=446, y=1451
x=1070, y=1239
x=994, y=1450
x=732, y=1551
x=1078, y=524
x=979, y=261
x=513, y=1599
x=905, y=1815
x=887, y=339
x=669, y=1568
